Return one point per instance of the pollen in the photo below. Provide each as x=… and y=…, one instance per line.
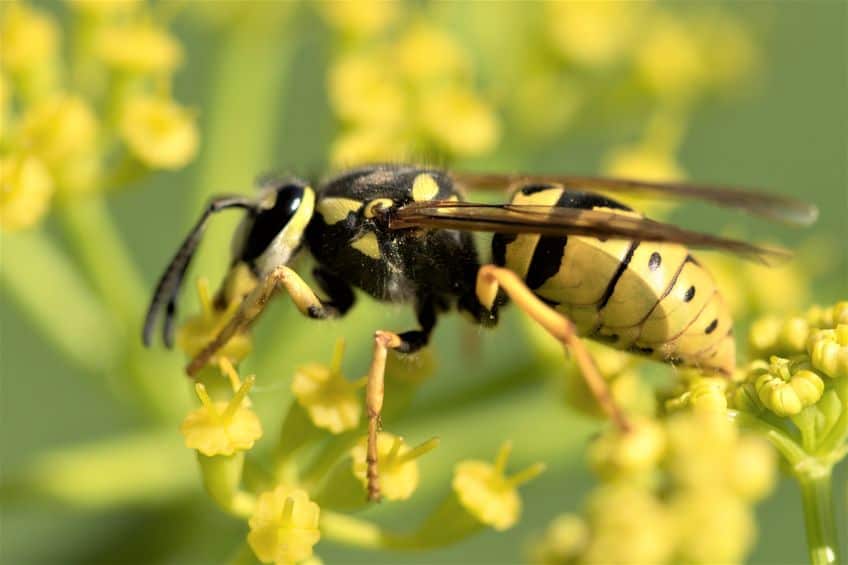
x=487, y=493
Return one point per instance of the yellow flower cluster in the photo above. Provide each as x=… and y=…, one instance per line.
x=401, y=96
x=676, y=491
x=63, y=116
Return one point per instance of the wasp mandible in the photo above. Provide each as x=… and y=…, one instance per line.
x=578, y=262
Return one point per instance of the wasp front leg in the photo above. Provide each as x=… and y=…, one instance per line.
x=254, y=303
x=491, y=278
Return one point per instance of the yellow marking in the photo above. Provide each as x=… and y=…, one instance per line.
x=674, y=314
x=377, y=204
x=588, y=265
x=293, y=232
x=367, y=245
x=519, y=253
x=639, y=288
x=424, y=187
x=335, y=209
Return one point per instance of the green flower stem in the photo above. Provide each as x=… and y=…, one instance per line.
x=817, y=499
x=46, y=285
x=787, y=446
x=838, y=434
x=95, y=238
x=351, y=531
x=239, y=134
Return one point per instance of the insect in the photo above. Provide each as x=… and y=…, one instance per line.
x=577, y=262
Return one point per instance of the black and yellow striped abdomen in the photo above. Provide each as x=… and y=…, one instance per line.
x=649, y=298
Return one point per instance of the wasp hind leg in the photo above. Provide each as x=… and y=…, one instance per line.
x=491, y=278
x=254, y=303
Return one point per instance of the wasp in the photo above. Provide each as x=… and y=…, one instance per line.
x=576, y=261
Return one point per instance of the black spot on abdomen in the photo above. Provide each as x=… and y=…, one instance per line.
x=655, y=261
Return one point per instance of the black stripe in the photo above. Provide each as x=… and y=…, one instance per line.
x=546, y=261
x=618, y=272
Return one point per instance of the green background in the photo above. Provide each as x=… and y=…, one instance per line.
x=790, y=134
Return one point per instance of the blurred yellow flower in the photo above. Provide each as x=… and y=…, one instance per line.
x=753, y=471
x=487, y=493
x=138, y=48
x=629, y=524
x=58, y=128
x=332, y=402
x=714, y=526
x=360, y=18
x=221, y=428
x=455, y=118
x=771, y=335
x=5, y=99
x=105, y=8
x=362, y=90
x=30, y=37
x=425, y=53
x=644, y=162
x=160, y=133
x=284, y=526
x=25, y=191
x=829, y=351
x=369, y=145
x=564, y=541
x=828, y=318
x=638, y=450
x=594, y=34
x=669, y=58
x=199, y=330
x=398, y=464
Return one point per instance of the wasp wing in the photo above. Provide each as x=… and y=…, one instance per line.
x=546, y=220
x=771, y=206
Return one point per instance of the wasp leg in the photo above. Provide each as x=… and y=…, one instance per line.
x=374, y=392
x=253, y=305
x=490, y=278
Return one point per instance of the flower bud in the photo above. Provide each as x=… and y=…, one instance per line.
x=59, y=128
x=787, y=387
x=829, y=351
x=564, y=541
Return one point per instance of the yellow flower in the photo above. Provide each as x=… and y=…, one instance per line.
x=487, y=493
x=284, y=526
x=427, y=53
x=369, y=145
x=629, y=525
x=456, y=119
x=699, y=444
x=333, y=402
x=669, y=59
x=753, y=471
x=617, y=453
x=787, y=386
x=644, y=162
x=360, y=18
x=593, y=34
x=198, y=331
x=105, y=8
x=5, y=98
x=160, y=133
x=221, y=428
x=138, y=48
x=30, y=37
x=397, y=463
x=708, y=394
x=363, y=91
x=714, y=526
x=828, y=318
x=772, y=335
x=829, y=351
x=59, y=128
x=564, y=541
x=25, y=191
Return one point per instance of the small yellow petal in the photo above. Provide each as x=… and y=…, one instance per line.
x=284, y=526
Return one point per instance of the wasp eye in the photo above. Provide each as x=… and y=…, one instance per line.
x=377, y=206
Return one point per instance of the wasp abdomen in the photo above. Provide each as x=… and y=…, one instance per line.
x=649, y=298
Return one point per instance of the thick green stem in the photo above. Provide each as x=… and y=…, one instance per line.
x=817, y=499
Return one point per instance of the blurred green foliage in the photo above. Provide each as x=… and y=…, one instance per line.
x=257, y=75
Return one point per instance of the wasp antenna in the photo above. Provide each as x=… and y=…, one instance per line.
x=168, y=288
